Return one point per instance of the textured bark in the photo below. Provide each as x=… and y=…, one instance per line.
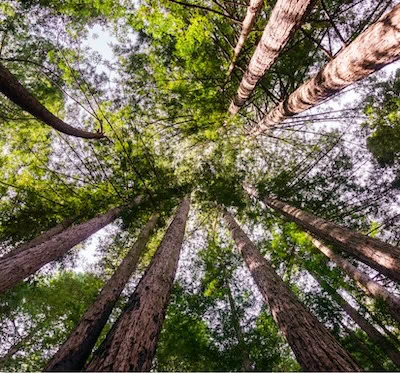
x=285, y=19
x=363, y=280
x=27, y=262
x=248, y=23
x=363, y=323
x=73, y=354
x=131, y=343
x=18, y=94
x=315, y=348
x=40, y=239
x=375, y=48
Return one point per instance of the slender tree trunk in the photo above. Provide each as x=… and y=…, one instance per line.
x=247, y=365
x=73, y=354
x=315, y=348
x=285, y=19
x=40, y=239
x=15, y=348
x=11, y=88
x=27, y=262
x=363, y=280
x=375, y=48
x=131, y=343
x=382, y=342
x=248, y=23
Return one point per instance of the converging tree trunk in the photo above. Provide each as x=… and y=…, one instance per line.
x=315, y=348
x=18, y=94
x=27, y=262
x=375, y=48
x=363, y=280
x=381, y=341
x=248, y=23
x=73, y=354
x=285, y=19
x=131, y=343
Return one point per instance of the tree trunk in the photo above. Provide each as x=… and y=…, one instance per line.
x=11, y=88
x=363, y=323
x=315, y=348
x=363, y=280
x=285, y=19
x=73, y=354
x=375, y=48
x=40, y=239
x=27, y=262
x=248, y=23
x=131, y=343
x=379, y=255
x=15, y=348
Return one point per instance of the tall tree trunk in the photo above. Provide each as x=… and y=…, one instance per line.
x=382, y=342
x=247, y=365
x=18, y=94
x=73, y=354
x=15, y=348
x=379, y=255
x=131, y=343
x=40, y=239
x=248, y=23
x=285, y=19
x=375, y=48
x=27, y=262
x=315, y=348
x=363, y=280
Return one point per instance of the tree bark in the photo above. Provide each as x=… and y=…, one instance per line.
x=27, y=262
x=315, y=348
x=375, y=48
x=18, y=94
x=382, y=342
x=131, y=343
x=379, y=255
x=248, y=23
x=285, y=19
x=363, y=280
x=73, y=354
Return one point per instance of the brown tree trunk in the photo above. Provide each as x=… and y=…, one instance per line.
x=15, y=348
x=18, y=94
x=131, y=343
x=315, y=348
x=285, y=19
x=363, y=280
x=363, y=323
x=40, y=239
x=73, y=354
x=381, y=256
x=27, y=262
x=248, y=23
x=375, y=48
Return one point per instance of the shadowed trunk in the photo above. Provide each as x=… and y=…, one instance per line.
x=365, y=283
x=315, y=348
x=27, y=262
x=381, y=341
x=285, y=19
x=379, y=255
x=73, y=354
x=131, y=343
x=375, y=48
x=11, y=88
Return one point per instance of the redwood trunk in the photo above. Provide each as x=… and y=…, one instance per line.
x=131, y=343
x=381, y=256
x=375, y=48
x=285, y=19
x=18, y=94
x=363, y=280
x=73, y=354
x=27, y=262
x=315, y=348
